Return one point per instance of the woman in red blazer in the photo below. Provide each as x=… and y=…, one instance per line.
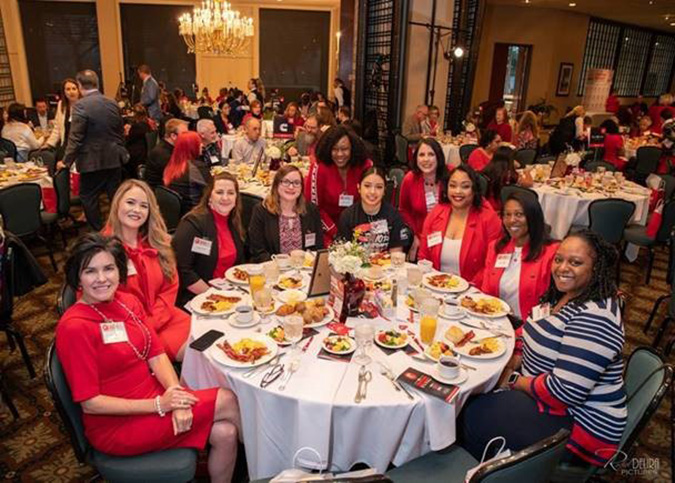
x=518, y=266
x=457, y=232
x=421, y=188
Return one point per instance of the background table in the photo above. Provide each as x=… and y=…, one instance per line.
x=451, y=153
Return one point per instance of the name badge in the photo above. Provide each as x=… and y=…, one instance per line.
x=379, y=226
x=215, y=160
x=434, y=239
x=541, y=311
x=113, y=332
x=503, y=260
x=201, y=246
x=310, y=240
x=131, y=268
x=430, y=198
x=345, y=201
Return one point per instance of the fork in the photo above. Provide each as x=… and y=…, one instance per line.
x=293, y=367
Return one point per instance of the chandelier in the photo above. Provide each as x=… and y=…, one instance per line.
x=214, y=28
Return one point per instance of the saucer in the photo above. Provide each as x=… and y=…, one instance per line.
x=461, y=377
x=232, y=320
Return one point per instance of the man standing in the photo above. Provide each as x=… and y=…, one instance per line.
x=150, y=93
x=211, y=148
x=159, y=155
x=251, y=147
x=412, y=127
x=41, y=116
x=95, y=145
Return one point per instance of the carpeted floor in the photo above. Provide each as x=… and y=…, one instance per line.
x=35, y=448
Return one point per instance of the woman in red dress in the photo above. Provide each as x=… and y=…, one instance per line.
x=118, y=372
x=488, y=145
x=613, y=145
x=501, y=124
x=421, y=188
x=333, y=178
x=152, y=278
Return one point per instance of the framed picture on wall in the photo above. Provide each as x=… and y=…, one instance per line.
x=564, y=79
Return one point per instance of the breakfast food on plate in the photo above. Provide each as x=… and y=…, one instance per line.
x=485, y=305
x=410, y=302
x=438, y=349
x=443, y=281
x=246, y=350
x=241, y=275
x=337, y=343
x=309, y=260
x=392, y=338
x=287, y=283
x=383, y=259
x=312, y=311
x=489, y=346
x=458, y=337
x=277, y=334
x=379, y=285
x=219, y=303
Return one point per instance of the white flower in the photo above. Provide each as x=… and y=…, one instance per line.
x=573, y=159
x=346, y=257
x=273, y=152
x=470, y=127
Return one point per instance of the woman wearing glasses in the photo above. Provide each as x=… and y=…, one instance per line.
x=284, y=221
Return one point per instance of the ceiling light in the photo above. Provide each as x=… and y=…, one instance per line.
x=672, y=24
x=573, y=4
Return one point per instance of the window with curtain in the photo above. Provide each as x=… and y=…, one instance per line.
x=61, y=38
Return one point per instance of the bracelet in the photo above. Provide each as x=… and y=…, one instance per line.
x=158, y=407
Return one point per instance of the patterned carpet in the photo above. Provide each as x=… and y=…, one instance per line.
x=35, y=448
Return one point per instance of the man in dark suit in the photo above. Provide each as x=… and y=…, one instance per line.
x=150, y=93
x=95, y=145
x=159, y=155
x=41, y=115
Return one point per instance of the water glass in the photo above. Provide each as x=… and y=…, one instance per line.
x=293, y=325
x=297, y=259
x=425, y=265
x=414, y=276
x=363, y=334
x=262, y=299
x=271, y=271
x=397, y=260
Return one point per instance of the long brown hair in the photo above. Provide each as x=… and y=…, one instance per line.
x=153, y=230
x=65, y=102
x=529, y=119
x=203, y=205
x=272, y=202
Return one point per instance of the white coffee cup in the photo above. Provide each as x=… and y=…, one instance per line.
x=425, y=265
x=244, y=314
x=283, y=260
x=448, y=367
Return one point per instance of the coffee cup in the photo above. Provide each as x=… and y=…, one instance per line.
x=283, y=260
x=244, y=314
x=448, y=367
x=425, y=265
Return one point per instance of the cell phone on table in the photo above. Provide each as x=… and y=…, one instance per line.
x=206, y=341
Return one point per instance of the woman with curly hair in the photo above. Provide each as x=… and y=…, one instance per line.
x=569, y=373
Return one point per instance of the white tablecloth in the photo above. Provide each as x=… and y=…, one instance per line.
x=451, y=153
x=317, y=408
x=566, y=207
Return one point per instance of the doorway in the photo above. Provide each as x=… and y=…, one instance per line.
x=510, y=72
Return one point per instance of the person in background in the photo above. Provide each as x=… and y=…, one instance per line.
x=569, y=131
x=306, y=138
x=332, y=181
x=665, y=100
x=292, y=115
x=456, y=234
x=305, y=104
x=70, y=94
x=430, y=126
x=238, y=108
x=186, y=173
x=205, y=99
x=614, y=149
x=325, y=118
x=180, y=96
x=222, y=121
x=421, y=188
x=412, y=127
x=41, y=116
x=527, y=132
x=159, y=156
x=222, y=96
x=612, y=104
x=211, y=148
x=256, y=91
x=172, y=108
x=17, y=130
x=344, y=115
x=664, y=116
x=150, y=93
x=500, y=171
x=644, y=127
x=481, y=156
x=518, y=265
x=285, y=220
x=639, y=108
x=136, y=142
x=343, y=97
x=256, y=112
x=251, y=147
x=216, y=223
x=501, y=124
x=570, y=371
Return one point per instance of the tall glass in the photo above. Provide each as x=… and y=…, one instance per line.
x=293, y=325
x=297, y=259
x=262, y=300
x=429, y=320
x=256, y=279
x=397, y=260
x=363, y=334
x=271, y=271
x=414, y=276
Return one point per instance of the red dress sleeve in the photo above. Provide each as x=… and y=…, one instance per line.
x=312, y=183
x=405, y=201
x=136, y=307
x=76, y=343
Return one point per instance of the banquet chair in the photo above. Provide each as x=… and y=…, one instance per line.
x=66, y=298
x=534, y=463
x=205, y=112
x=27, y=221
x=525, y=157
x=670, y=280
x=401, y=149
x=248, y=202
x=62, y=190
x=648, y=158
x=483, y=183
x=393, y=188
x=609, y=218
x=173, y=465
x=509, y=189
x=7, y=149
x=465, y=151
x=545, y=159
x=169, y=206
x=594, y=165
x=638, y=235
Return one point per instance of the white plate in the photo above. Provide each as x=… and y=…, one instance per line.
x=351, y=341
x=329, y=316
x=428, y=356
x=505, y=308
x=220, y=357
x=196, y=303
x=385, y=346
x=285, y=343
x=479, y=334
x=455, y=314
x=229, y=274
x=461, y=377
x=303, y=281
x=461, y=287
x=232, y=320
x=297, y=295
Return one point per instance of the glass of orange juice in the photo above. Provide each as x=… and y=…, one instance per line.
x=256, y=279
x=429, y=320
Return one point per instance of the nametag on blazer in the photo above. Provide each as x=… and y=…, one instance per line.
x=503, y=260
x=214, y=160
x=430, y=198
x=201, y=246
x=541, y=311
x=113, y=332
x=310, y=239
x=345, y=201
x=435, y=238
x=131, y=268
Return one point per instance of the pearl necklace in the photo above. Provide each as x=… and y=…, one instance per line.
x=146, y=333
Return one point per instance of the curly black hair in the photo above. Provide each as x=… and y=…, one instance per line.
x=330, y=138
x=603, y=279
x=475, y=184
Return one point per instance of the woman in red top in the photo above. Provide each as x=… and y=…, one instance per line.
x=136, y=220
x=456, y=234
x=488, y=145
x=665, y=100
x=421, y=188
x=333, y=178
x=501, y=124
x=292, y=115
x=118, y=373
x=209, y=239
x=518, y=265
x=613, y=145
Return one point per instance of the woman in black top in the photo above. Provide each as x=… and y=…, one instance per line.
x=372, y=221
x=136, y=142
x=284, y=221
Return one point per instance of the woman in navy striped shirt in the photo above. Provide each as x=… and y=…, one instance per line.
x=569, y=374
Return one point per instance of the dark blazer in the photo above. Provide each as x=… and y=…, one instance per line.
x=263, y=232
x=96, y=138
x=157, y=160
x=32, y=116
x=192, y=266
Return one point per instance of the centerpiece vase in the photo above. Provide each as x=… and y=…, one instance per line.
x=350, y=290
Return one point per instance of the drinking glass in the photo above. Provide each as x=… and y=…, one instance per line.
x=293, y=325
x=425, y=265
x=397, y=260
x=414, y=276
x=262, y=300
x=271, y=271
x=256, y=279
x=429, y=321
x=363, y=334
x=297, y=259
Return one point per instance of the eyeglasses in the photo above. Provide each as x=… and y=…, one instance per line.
x=272, y=375
x=288, y=183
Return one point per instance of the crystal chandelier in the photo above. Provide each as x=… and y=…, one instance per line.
x=214, y=28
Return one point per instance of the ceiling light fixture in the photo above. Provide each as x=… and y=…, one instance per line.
x=215, y=28
x=573, y=4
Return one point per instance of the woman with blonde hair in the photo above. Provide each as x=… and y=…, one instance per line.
x=284, y=221
x=569, y=131
x=527, y=133
x=135, y=218
x=293, y=116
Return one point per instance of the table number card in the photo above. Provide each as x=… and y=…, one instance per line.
x=428, y=385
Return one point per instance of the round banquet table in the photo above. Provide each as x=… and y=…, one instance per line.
x=19, y=174
x=317, y=409
x=564, y=207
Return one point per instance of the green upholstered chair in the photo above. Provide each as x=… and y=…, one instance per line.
x=514, y=188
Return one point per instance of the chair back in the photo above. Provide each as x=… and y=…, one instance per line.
x=141, y=172
x=594, y=165
x=526, y=156
x=67, y=297
x=534, y=463
x=170, y=204
x=151, y=139
x=248, y=202
x=669, y=188
x=465, y=151
x=401, y=149
x=483, y=183
x=545, y=159
x=69, y=411
x=393, y=188
x=608, y=218
x=8, y=149
x=62, y=190
x=667, y=222
x=26, y=220
x=205, y=112
x=510, y=189
x=647, y=160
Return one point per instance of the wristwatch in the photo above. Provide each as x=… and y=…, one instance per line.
x=513, y=378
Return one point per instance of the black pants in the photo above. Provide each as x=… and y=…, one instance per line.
x=91, y=186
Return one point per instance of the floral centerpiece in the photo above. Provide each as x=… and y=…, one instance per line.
x=347, y=290
x=274, y=154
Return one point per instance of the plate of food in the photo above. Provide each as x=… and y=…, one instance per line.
x=391, y=339
x=438, y=349
x=444, y=282
x=291, y=282
x=384, y=284
x=308, y=264
x=278, y=335
x=292, y=296
x=314, y=313
x=238, y=274
x=217, y=302
x=478, y=344
x=382, y=259
x=339, y=345
x=249, y=351
x=484, y=306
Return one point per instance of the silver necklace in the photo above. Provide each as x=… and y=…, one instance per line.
x=146, y=333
